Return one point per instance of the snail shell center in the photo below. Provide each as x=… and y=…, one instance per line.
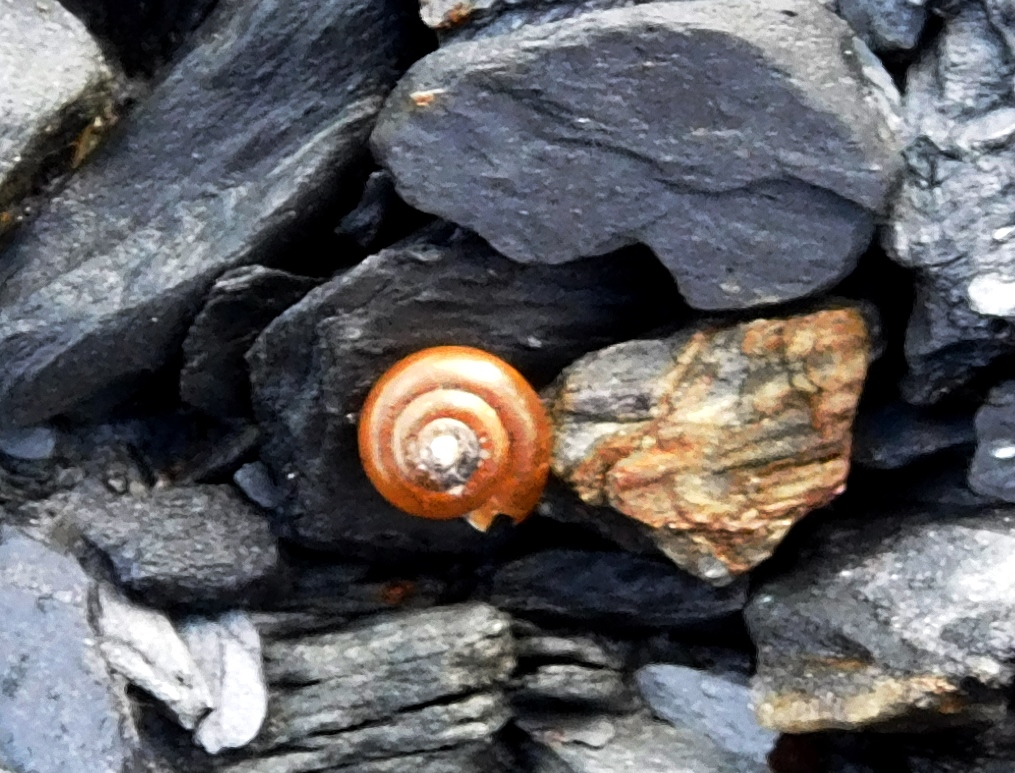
x=448, y=452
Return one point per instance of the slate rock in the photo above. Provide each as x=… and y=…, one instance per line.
x=897, y=619
x=380, y=215
x=396, y=686
x=992, y=472
x=951, y=221
x=709, y=705
x=32, y=444
x=577, y=686
x=142, y=645
x=56, y=82
x=720, y=437
x=896, y=435
x=886, y=26
x=254, y=480
x=180, y=545
x=60, y=709
x=611, y=589
x=227, y=651
x=240, y=305
x=596, y=744
x=574, y=138
x=240, y=143
x=313, y=366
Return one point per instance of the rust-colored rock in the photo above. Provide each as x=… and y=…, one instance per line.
x=720, y=439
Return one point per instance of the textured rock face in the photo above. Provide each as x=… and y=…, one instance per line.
x=60, y=710
x=100, y=289
x=744, y=202
x=886, y=25
x=719, y=438
x=952, y=220
x=56, y=82
x=992, y=472
x=312, y=368
x=900, y=622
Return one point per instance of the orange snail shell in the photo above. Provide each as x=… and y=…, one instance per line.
x=455, y=432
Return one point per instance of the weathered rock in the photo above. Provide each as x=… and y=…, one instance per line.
x=709, y=705
x=32, y=444
x=178, y=545
x=718, y=438
x=591, y=744
x=576, y=685
x=745, y=204
x=60, y=710
x=951, y=220
x=886, y=25
x=242, y=141
x=401, y=685
x=313, y=366
x=899, y=621
x=227, y=650
x=992, y=472
x=142, y=645
x=615, y=589
x=896, y=435
x=380, y=215
x=240, y=305
x=56, y=83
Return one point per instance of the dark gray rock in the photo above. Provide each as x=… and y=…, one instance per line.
x=56, y=82
x=243, y=140
x=60, y=710
x=897, y=619
x=992, y=472
x=178, y=545
x=886, y=25
x=596, y=136
x=397, y=686
x=254, y=480
x=596, y=744
x=380, y=215
x=896, y=435
x=951, y=220
x=32, y=444
x=579, y=686
x=312, y=367
x=240, y=305
x=616, y=589
x=709, y=705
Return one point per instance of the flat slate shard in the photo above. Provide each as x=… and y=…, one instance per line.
x=896, y=620
x=242, y=140
x=55, y=83
x=718, y=438
x=992, y=472
x=763, y=192
x=313, y=366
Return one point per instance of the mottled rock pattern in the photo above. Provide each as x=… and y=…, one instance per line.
x=401, y=685
x=178, y=545
x=886, y=25
x=312, y=367
x=611, y=589
x=901, y=621
x=56, y=82
x=60, y=710
x=896, y=435
x=238, y=144
x=992, y=471
x=745, y=204
x=709, y=705
x=718, y=438
x=240, y=305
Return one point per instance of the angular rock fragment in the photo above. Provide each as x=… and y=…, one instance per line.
x=243, y=140
x=709, y=705
x=897, y=619
x=992, y=472
x=395, y=687
x=142, y=645
x=380, y=218
x=896, y=435
x=240, y=305
x=718, y=438
x=313, y=366
x=612, y=589
x=886, y=25
x=178, y=545
x=573, y=138
x=952, y=220
x=60, y=709
x=574, y=685
x=55, y=83
x=227, y=650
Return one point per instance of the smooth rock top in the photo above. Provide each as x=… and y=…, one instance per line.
x=55, y=82
x=574, y=138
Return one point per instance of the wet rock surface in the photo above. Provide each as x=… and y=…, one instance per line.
x=710, y=189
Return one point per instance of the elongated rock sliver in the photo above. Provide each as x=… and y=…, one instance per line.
x=719, y=438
